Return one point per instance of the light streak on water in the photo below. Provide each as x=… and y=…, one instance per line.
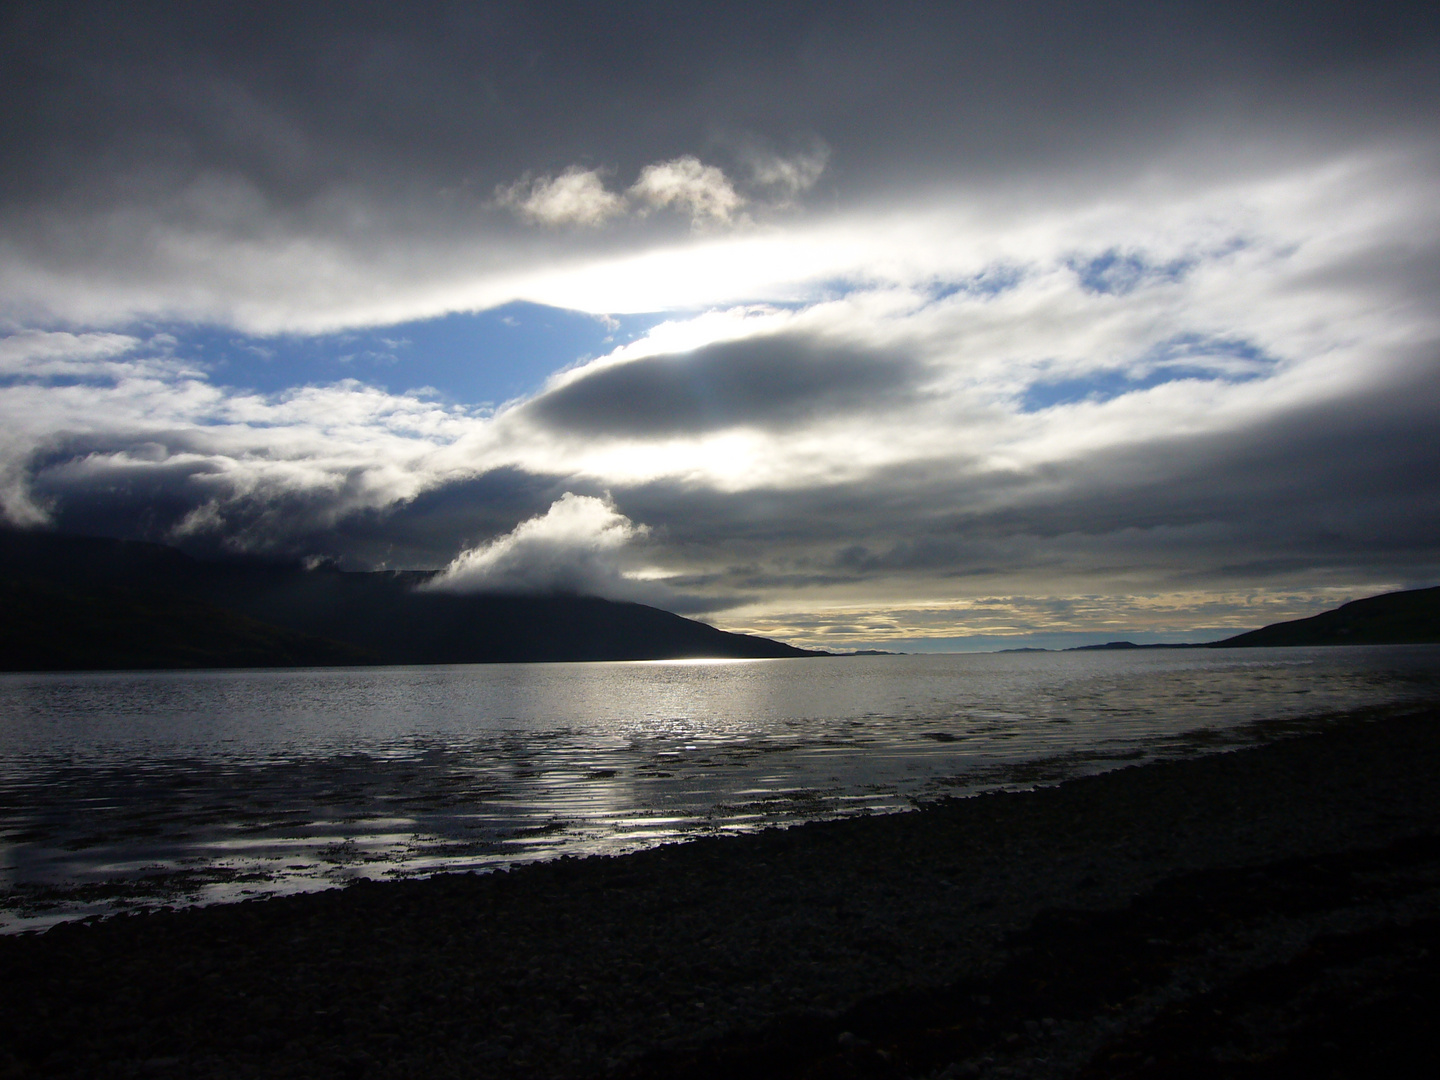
x=121, y=790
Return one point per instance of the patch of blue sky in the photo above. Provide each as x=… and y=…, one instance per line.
x=1106, y=386
x=16, y=378
x=1235, y=356
x=1184, y=356
x=1117, y=272
x=477, y=359
x=825, y=289
x=991, y=281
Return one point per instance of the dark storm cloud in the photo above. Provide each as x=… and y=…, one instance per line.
x=114, y=486
x=305, y=98
x=301, y=98
x=426, y=531
x=280, y=167
x=119, y=486
x=142, y=501
x=763, y=382
x=1315, y=494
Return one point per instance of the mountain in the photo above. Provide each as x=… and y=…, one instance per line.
x=1398, y=618
x=50, y=627
x=92, y=603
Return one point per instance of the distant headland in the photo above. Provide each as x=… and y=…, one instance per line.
x=87, y=603
x=1399, y=618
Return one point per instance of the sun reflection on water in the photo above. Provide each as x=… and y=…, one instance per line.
x=133, y=790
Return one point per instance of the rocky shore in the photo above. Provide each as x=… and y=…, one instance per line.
x=1255, y=913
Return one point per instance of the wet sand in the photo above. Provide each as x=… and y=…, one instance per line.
x=1223, y=915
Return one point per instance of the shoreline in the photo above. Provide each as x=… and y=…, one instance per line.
x=582, y=966
x=199, y=819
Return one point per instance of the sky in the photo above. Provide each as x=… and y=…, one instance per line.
x=921, y=327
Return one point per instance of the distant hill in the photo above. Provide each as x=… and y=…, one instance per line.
x=92, y=603
x=1399, y=618
x=1114, y=645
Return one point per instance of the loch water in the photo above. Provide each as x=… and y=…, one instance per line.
x=124, y=790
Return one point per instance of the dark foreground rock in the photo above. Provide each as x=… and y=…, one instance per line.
x=1267, y=912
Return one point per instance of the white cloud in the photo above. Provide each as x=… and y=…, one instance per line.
x=579, y=196
x=575, y=197
x=787, y=177
x=41, y=353
x=572, y=548
x=688, y=184
x=156, y=422
x=18, y=506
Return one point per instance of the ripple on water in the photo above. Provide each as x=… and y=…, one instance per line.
x=134, y=790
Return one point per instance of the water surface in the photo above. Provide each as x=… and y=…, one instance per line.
x=144, y=788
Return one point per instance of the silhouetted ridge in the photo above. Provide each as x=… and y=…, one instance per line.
x=84, y=602
x=1398, y=618
x=48, y=627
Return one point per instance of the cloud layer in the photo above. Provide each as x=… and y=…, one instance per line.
x=1016, y=303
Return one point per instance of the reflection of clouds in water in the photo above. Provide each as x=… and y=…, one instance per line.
x=587, y=758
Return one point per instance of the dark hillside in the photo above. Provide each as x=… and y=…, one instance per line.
x=1399, y=618
x=49, y=628
x=84, y=602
